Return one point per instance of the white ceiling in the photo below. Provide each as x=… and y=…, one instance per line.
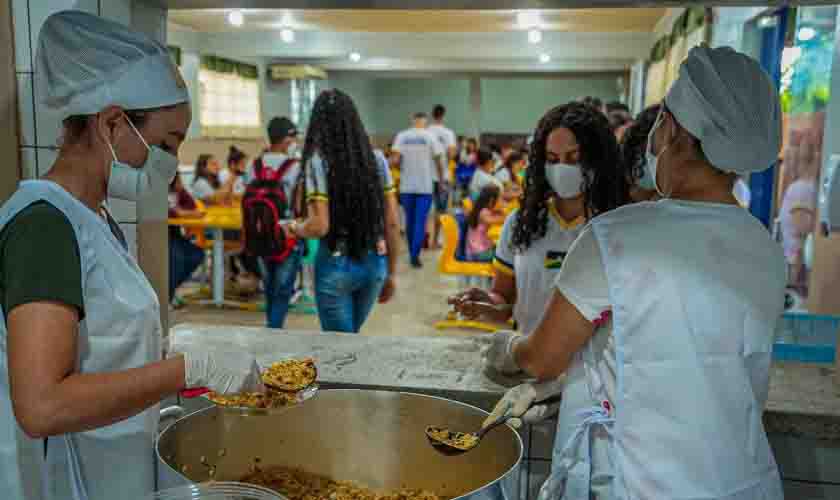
x=584, y=40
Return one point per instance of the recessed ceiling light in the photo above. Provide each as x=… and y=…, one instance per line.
x=287, y=35
x=528, y=18
x=534, y=36
x=545, y=58
x=806, y=34
x=355, y=57
x=236, y=18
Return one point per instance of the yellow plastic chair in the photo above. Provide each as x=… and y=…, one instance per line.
x=448, y=264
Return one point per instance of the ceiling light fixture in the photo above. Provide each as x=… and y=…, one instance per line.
x=545, y=58
x=236, y=18
x=806, y=34
x=534, y=36
x=528, y=18
x=287, y=35
x=355, y=57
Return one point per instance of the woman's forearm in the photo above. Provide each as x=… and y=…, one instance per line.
x=84, y=401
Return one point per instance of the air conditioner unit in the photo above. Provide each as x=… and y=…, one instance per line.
x=282, y=72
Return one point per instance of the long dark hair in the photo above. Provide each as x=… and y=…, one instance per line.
x=235, y=155
x=487, y=199
x=604, y=184
x=634, y=144
x=357, y=200
x=201, y=171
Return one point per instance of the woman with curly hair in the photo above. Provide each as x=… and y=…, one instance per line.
x=633, y=147
x=350, y=204
x=574, y=175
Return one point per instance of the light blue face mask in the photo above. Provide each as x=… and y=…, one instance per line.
x=646, y=180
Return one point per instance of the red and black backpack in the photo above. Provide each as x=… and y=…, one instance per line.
x=264, y=206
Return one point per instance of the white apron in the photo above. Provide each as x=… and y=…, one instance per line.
x=121, y=330
x=696, y=291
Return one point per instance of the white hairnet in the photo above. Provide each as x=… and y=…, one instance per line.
x=725, y=100
x=86, y=63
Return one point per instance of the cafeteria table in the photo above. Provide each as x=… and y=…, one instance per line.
x=216, y=219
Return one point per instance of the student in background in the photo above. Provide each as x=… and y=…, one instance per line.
x=184, y=255
x=480, y=248
x=206, y=185
x=510, y=174
x=468, y=152
x=279, y=166
x=575, y=175
x=483, y=175
x=237, y=166
x=421, y=158
x=357, y=224
x=447, y=140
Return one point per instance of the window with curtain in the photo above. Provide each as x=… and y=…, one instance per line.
x=303, y=93
x=230, y=99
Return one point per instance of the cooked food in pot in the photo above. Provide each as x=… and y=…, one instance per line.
x=459, y=440
x=271, y=399
x=296, y=484
x=290, y=374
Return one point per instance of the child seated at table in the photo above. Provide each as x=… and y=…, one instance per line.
x=480, y=248
x=184, y=255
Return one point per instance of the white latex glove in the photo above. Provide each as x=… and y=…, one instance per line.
x=220, y=371
x=499, y=355
x=519, y=404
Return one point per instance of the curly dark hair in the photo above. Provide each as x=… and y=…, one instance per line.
x=357, y=200
x=604, y=183
x=634, y=144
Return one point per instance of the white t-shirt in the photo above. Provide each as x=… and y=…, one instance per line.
x=201, y=189
x=536, y=267
x=274, y=161
x=238, y=184
x=418, y=149
x=447, y=139
x=481, y=180
x=504, y=176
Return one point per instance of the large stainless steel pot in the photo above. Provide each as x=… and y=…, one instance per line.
x=372, y=437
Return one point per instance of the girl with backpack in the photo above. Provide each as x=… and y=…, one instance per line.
x=350, y=204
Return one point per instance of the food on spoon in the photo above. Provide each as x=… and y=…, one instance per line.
x=460, y=440
x=296, y=484
x=270, y=399
x=290, y=374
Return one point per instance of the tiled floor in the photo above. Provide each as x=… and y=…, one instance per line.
x=419, y=303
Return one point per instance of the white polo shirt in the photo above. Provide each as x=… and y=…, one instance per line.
x=418, y=149
x=536, y=268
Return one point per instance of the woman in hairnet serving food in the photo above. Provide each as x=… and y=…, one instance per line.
x=80, y=331
x=665, y=400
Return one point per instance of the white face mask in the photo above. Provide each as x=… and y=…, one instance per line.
x=564, y=179
x=651, y=160
x=129, y=183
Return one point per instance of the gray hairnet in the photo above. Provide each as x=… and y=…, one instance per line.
x=725, y=100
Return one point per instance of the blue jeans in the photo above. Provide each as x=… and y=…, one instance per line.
x=184, y=259
x=279, y=282
x=416, y=208
x=346, y=289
